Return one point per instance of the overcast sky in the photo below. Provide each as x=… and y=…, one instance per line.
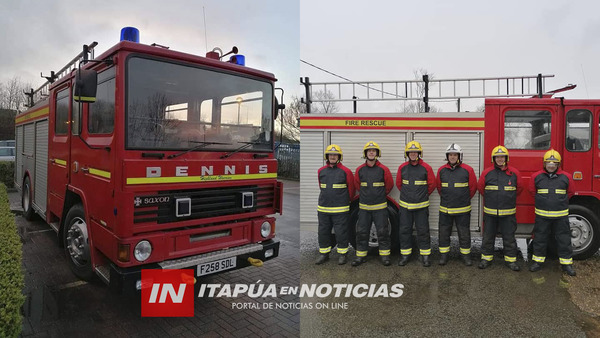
x=388, y=40
x=40, y=36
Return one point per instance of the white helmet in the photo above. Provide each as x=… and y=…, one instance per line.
x=454, y=149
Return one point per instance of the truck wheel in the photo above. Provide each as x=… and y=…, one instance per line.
x=77, y=248
x=585, y=232
x=26, y=200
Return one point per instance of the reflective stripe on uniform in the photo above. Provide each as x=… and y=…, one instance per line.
x=333, y=210
x=465, y=251
x=361, y=253
x=491, y=187
x=406, y=251
x=411, y=206
x=325, y=250
x=547, y=213
x=560, y=191
x=420, y=182
x=338, y=186
x=510, y=188
x=342, y=250
x=444, y=185
x=378, y=184
x=499, y=212
x=363, y=184
x=384, y=252
x=510, y=259
x=425, y=252
x=444, y=249
x=455, y=210
x=566, y=261
x=405, y=182
x=461, y=185
x=373, y=206
x=487, y=257
x=538, y=259
x=542, y=191
x=323, y=185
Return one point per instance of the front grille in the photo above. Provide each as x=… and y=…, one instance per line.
x=205, y=203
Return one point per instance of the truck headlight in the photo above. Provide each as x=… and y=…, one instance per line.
x=142, y=250
x=265, y=229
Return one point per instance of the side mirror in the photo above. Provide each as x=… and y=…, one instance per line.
x=86, y=84
x=278, y=107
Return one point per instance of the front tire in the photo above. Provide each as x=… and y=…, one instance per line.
x=585, y=232
x=76, y=240
x=27, y=200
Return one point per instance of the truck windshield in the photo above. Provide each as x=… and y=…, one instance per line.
x=172, y=106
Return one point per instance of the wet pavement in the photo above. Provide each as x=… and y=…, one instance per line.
x=450, y=300
x=58, y=304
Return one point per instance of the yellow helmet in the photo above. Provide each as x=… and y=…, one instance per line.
x=413, y=146
x=500, y=151
x=552, y=156
x=333, y=149
x=371, y=145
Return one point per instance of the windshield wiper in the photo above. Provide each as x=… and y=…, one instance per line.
x=246, y=145
x=199, y=146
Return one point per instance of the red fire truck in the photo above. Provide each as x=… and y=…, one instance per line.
x=149, y=158
x=528, y=127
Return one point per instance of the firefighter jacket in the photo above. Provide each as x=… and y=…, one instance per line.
x=337, y=188
x=373, y=184
x=551, y=192
x=415, y=182
x=456, y=186
x=499, y=188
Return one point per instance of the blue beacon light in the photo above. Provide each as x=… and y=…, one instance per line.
x=238, y=59
x=130, y=34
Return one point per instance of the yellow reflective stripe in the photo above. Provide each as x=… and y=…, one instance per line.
x=61, y=162
x=510, y=259
x=542, y=191
x=406, y=251
x=361, y=253
x=425, y=252
x=378, y=184
x=339, y=186
x=560, y=191
x=566, y=260
x=333, y=210
x=500, y=212
x=488, y=258
x=342, y=250
x=420, y=182
x=538, y=259
x=444, y=249
x=363, y=184
x=461, y=185
x=32, y=115
x=101, y=173
x=491, y=187
x=384, y=252
x=323, y=185
x=444, y=185
x=405, y=182
x=455, y=210
x=413, y=205
x=510, y=188
x=189, y=179
x=465, y=251
x=84, y=98
x=547, y=213
x=373, y=206
x=325, y=250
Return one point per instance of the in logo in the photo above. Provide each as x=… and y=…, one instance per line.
x=167, y=293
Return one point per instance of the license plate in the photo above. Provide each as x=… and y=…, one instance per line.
x=216, y=266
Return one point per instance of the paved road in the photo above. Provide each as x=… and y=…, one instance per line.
x=442, y=300
x=58, y=304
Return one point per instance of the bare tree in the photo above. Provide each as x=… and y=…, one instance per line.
x=418, y=106
x=324, y=107
x=288, y=119
x=11, y=94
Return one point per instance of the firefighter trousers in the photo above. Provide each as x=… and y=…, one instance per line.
x=337, y=222
x=562, y=234
x=363, y=229
x=507, y=225
x=420, y=217
x=462, y=222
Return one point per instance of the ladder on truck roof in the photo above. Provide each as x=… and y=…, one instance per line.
x=42, y=92
x=424, y=90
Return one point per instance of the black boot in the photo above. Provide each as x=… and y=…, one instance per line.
x=568, y=269
x=385, y=260
x=535, y=266
x=342, y=259
x=484, y=264
x=403, y=260
x=425, y=261
x=358, y=261
x=443, y=259
x=513, y=266
x=322, y=259
x=467, y=259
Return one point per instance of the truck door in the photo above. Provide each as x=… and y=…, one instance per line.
x=58, y=149
x=596, y=150
x=578, y=153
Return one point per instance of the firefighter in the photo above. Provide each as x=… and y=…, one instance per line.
x=499, y=185
x=337, y=188
x=416, y=181
x=374, y=181
x=456, y=184
x=552, y=188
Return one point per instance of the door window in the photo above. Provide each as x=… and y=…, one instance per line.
x=579, y=130
x=61, y=125
x=527, y=129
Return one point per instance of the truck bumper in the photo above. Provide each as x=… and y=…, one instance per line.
x=127, y=280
